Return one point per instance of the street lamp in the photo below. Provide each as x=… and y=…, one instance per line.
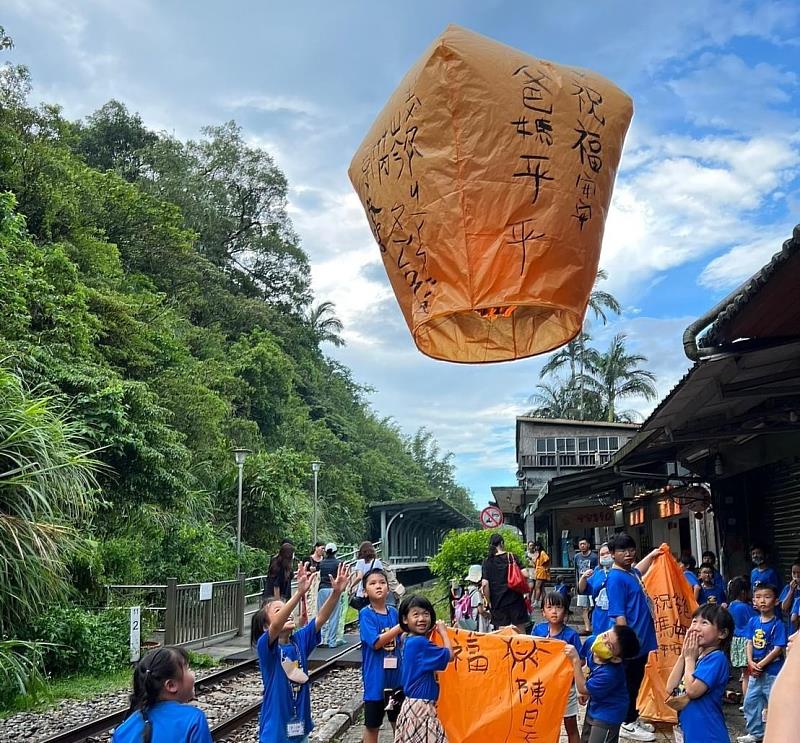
x=315, y=469
x=239, y=455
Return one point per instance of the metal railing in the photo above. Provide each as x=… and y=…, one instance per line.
x=186, y=616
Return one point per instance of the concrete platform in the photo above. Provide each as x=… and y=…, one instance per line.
x=238, y=649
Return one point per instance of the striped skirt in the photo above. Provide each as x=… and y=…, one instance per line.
x=418, y=723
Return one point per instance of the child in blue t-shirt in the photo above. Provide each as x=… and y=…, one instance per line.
x=283, y=652
x=163, y=683
x=766, y=642
x=761, y=572
x=708, y=591
x=789, y=598
x=701, y=674
x=740, y=606
x=417, y=720
x=554, y=611
x=380, y=659
x=606, y=686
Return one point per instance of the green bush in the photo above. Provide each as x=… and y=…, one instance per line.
x=461, y=549
x=82, y=641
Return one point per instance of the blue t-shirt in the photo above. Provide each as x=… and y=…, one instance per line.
x=567, y=634
x=691, y=578
x=377, y=678
x=766, y=636
x=420, y=659
x=627, y=598
x=608, y=691
x=707, y=594
x=596, y=588
x=787, y=620
x=767, y=575
x=583, y=562
x=742, y=613
x=171, y=722
x=796, y=606
x=283, y=699
x=702, y=720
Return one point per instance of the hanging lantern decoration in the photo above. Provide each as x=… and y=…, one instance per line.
x=486, y=181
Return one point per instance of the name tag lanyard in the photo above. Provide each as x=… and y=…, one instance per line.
x=296, y=727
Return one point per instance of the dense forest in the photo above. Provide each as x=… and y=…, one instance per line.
x=156, y=311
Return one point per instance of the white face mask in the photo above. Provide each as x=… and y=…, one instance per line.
x=606, y=562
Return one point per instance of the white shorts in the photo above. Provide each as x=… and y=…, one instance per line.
x=584, y=599
x=572, y=703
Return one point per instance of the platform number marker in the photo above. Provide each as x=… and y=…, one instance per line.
x=491, y=517
x=136, y=633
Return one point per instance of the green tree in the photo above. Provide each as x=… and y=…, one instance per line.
x=324, y=324
x=461, y=549
x=619, y=377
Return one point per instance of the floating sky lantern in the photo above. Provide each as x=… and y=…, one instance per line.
x=486, y=181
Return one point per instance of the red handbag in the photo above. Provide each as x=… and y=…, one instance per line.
x=516, y=580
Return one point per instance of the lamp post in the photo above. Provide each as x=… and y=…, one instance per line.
x=239, y=455
x=315, y=469
x=385, y=546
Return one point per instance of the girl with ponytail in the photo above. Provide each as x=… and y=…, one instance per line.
x=163, y=683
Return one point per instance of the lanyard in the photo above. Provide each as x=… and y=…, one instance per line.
x=294, y=687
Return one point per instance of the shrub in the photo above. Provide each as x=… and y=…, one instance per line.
x=82, y=641
x=461, y=549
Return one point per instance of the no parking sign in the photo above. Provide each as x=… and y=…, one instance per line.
x=491, y=517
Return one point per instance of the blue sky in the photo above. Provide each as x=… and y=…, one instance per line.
x=708, y=188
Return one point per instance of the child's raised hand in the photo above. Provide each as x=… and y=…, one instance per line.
x=441, y=627
x=303, y=579
x=587, y=573
x=339, y=583
x=571, y=653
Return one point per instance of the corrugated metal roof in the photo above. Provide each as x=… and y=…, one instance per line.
x=716, y=335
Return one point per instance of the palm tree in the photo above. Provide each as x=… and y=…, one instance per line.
x=554, y=400
x=324, y=323
x=618, y=376
x=577, y=354
x=599, y=302
x=47, y=477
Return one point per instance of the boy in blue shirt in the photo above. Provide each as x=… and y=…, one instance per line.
x=761, y=572
x=707, y=591
x=380, y=658
x=629, y=604
x=605, y=687
x=766, y=641
x=555, y=610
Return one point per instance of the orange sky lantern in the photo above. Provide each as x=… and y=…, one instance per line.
x=486, y=181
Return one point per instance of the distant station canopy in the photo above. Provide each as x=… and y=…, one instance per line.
x=486, y=181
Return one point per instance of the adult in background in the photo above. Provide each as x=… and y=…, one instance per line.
x=316, y=557
x=328, y=569
x=584, y=560
x=594, y=582
x=629, y=604
x=506, y=606
x=366, y=560
x=540, y=566
x=279, y=575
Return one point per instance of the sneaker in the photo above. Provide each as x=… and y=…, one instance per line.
x=646, y=726
x=748, y=739
x=631, y=731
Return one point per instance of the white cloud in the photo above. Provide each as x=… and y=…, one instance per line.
x=733, y=267
x=723, y=91
x=261, y=102
x=683, y=198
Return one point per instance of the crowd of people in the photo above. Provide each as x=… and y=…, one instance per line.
x=748, y=624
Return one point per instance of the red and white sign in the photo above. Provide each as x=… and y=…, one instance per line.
x=491, y=517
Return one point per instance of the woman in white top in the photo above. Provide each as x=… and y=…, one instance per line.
x=367, y=559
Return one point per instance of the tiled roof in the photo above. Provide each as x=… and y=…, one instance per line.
x=715, y=335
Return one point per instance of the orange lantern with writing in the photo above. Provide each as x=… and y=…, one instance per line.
x=486, y=181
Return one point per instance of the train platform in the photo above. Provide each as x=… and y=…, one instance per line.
x=238, y=649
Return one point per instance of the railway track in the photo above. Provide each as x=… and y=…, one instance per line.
x=100, y=725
